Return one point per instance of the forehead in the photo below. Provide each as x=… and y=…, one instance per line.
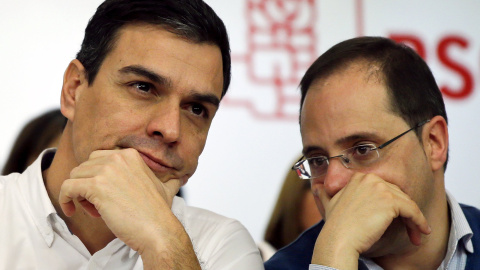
x=163, y=52
x=350, y=101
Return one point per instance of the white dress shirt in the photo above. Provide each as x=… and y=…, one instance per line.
x=33, y=236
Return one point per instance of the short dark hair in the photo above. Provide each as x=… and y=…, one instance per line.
x=413, y=92
x=193, y=20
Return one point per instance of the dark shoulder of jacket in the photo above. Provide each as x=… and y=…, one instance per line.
x=298, y=254
x=473, y=217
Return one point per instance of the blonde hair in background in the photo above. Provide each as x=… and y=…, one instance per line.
x=286, y=223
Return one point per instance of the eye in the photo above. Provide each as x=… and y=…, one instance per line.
x=317, y=161
x=142, y=86
x=198, y=109
x=363, y=150
x=363, y=153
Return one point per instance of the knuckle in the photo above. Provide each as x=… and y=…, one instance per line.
x=95, y=184
x=383, y=191
x=370, y=177
x=117, y=157
x=73, y=172
x=131, y=152
x=106, y=169
x=414, y=207
x=93, y=154
x=388, y=196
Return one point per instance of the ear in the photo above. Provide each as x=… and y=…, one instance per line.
x=74, y=80
x=435, y=142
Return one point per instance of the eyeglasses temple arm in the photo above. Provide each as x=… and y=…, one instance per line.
x=392, y=140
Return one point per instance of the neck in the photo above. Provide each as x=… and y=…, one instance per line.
x=93, y=232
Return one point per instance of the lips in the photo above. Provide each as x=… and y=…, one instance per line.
x=155, y=164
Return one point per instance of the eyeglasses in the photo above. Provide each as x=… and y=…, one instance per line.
x=359, y=156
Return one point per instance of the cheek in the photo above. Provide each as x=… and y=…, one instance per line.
x=408, y=173
x=191, y=147
x=420, y=179
x=103, y=128
x=392, y=167
x=319, y=205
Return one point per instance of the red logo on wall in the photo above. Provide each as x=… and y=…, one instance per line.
x=281, y=33
x=281, y=44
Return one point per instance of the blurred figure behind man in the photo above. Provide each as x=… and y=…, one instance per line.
x=38, y=134
x=294, y=212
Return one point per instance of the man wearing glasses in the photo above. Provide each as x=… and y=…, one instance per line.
x=375, y=144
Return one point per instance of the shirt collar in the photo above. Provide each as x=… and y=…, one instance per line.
x=460, y=229
x=36, y=197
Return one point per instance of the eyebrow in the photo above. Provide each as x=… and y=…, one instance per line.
x=159, y=79
x=147, y=73
x=341, y=141
x=207, y=98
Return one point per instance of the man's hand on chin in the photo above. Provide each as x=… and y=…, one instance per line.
x=119, y=187
x=357, y=217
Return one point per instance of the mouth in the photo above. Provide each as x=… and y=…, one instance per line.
x=156, y=165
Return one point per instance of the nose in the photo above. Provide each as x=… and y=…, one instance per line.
x=165, y=123
x=337, y=177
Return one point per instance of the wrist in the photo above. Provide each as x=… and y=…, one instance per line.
x=334, y=251
x=171, y=250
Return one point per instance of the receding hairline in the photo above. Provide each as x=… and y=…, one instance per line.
x=373, y=72
x=373, y=68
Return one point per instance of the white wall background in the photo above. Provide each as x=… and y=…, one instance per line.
x=249, y=149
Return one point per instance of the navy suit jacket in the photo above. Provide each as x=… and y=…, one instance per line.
x=298, y=254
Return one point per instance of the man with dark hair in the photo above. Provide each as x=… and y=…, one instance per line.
x=139, y=100
x=375, y=143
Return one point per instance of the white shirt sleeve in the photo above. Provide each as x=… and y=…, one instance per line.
x=220, y=243
x=235, y=249
x=320, y=267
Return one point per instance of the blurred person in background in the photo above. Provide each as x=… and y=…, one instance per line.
x=294, y=212
x=37, y=135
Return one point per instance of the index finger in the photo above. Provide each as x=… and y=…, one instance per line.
x=75, y=189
